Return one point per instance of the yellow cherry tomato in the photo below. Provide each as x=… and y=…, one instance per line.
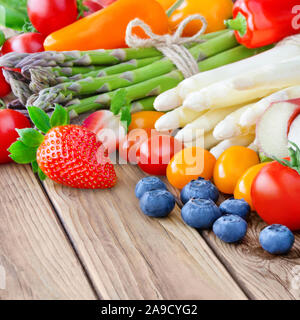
x=231, y=165
x=188, y=164
x=214, y=11
x=144, y=120
x=243, y=188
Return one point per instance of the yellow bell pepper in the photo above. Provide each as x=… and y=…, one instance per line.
x=214, y=11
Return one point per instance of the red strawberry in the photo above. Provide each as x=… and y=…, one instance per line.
x=67, y=154
x=71, y=155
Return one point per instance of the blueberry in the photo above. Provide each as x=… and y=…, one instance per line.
x=157, y=203
x=230, y=228
x=276, y=239
x=238, y=207
x=201, y=188
x=148, y=184
x=200, y=213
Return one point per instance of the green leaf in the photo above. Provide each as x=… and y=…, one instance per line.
x=40, y=118
x=125, y=116
x=118, y=101
x=263, y=158
x=35, y=166
x=30, y=137
x=13, y=13
x=41, y=174
x=60, y=117
x=21, y=153
x=2, y=38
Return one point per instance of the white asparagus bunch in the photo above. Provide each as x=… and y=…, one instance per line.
x=204, y=124
x=251, y=115
x=246, y=88
x=229, y=127
x=244, y=120
x=244, y=141
x=286, y=49
x=176, y=118
x=206, y=141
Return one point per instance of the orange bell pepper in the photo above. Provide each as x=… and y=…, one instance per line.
x=106, y=28
x=215, y=12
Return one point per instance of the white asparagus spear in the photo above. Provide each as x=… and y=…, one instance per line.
x=251, y=115
x=288, y=48
x=229, y=127
x=176, y=118
x=207, y=141
x=236, y=141
x=206, y=122
x=242, y=89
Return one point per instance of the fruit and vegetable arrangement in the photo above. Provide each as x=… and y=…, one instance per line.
x=205, y=93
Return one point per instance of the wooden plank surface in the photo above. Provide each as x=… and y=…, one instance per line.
x=35, y=256
x=131, y=256
x=260, y=274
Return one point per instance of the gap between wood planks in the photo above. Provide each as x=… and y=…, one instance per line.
x=69, y=239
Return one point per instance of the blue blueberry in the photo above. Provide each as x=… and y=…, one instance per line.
x=238, y=207
x=276, y=239
x=148, y=184
x=230, y=228
x=201, y=188
x=157, y=203
x=200, y=213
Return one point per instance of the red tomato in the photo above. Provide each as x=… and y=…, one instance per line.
x=27, y=42
x=4, y=86
x=9, y=121
x=156, y=153
x=48, y=16
x=275, y=195
x=129, y=148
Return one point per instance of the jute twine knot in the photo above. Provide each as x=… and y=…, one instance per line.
x=171, y=45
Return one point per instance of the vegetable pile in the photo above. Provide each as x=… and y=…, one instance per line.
x=234, y=127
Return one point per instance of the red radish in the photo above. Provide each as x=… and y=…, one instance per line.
x=105, y=3
x=107, y=127
x=93, y=6
x=279, y=124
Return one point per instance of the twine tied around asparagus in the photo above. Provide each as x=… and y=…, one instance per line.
x=171, y=45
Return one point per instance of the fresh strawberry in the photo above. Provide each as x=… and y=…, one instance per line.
x=68, y=154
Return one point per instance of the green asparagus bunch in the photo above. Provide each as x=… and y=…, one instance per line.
x=127, y=80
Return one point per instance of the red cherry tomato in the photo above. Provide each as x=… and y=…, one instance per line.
x=30, y=42
x=48, y=16
x=4, y=86
x=156, y=153
x=275, y=195
x=129, y=148
x=10, y=120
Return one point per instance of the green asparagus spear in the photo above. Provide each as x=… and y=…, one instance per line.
x=65, y=92
x=84, y=58
x=138, y=91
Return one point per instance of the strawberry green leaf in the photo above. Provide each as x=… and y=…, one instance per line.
x=40, y=119
x=21, y=153
x=125, y=116
x=118, y=101
x=30, y=137
x=60, y=117
x=35, y=166
x=41, y=174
